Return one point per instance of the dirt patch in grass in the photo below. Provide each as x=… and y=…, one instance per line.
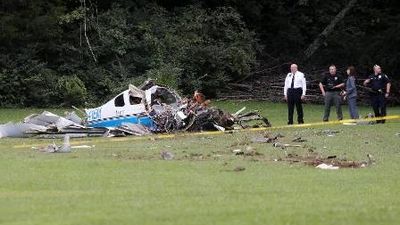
x=314, y=159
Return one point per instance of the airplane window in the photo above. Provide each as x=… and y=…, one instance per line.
x=119, y=101
x=134, y=100
x=162, y=95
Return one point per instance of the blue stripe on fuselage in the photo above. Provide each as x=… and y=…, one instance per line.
x=116, y=122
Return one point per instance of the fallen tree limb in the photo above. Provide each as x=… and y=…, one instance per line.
x=85, y=32
x=328, y=30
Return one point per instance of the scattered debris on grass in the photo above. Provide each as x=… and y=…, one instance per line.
x=278, y=145
x=281, y=145
x=267, y=138
x=330, y=162
x=239, y=169
x=240, y=143
x=329, y=133
x=167, y=155
x=261, y=140
x=371, y=159
x=249, y=151
x=299, y=139
x=53, y=148
x=200, y=156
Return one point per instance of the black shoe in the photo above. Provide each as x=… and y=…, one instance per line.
x=290, y=123
x=301, y=122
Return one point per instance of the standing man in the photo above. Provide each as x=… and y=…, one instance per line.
x=331, y=86
x=295, y=91
x=380, y=90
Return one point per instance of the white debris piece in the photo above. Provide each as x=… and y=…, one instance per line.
x=73, y=117
x=49, y=125
x=220, y=128
x=82, y=146
x=237, y=151
x=19, y=129
x=324, y=166
x=239, y=111
x=134, y=129
x=181, y=115
x=136, y=92
x=66, y=147
x=49, y=119
x=50, y=148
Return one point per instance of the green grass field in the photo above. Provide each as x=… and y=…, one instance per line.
x=124, y=180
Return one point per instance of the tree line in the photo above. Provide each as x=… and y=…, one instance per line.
x=82, y=52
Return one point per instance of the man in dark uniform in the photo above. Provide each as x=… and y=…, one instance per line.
x=380, y=90
x=331, y=86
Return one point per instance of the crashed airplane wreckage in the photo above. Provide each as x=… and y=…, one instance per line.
x=142, y=110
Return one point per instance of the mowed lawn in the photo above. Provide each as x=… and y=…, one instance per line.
x=124, y=180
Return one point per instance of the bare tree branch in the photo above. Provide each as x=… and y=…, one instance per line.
x=313, y=47
x=85, y=32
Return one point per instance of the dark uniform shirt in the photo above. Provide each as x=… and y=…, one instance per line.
x=329, y=81
x=378, y=83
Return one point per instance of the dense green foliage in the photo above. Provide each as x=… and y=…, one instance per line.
x=71, y=52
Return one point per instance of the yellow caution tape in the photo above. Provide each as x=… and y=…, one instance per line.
x=209, y=133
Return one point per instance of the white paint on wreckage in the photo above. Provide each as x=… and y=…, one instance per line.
x=131, y=106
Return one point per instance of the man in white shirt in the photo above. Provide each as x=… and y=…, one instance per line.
x=295, y=91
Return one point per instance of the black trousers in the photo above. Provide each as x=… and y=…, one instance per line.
x=378, y=103
x=294, y=99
